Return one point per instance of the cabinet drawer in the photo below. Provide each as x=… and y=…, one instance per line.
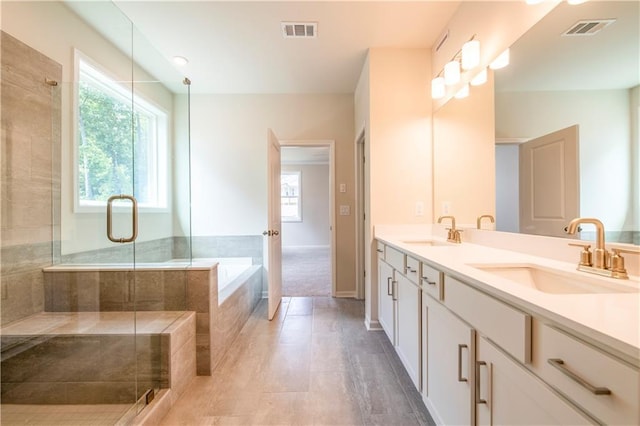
x=506, y=326
x=395, y=258
x=380, y=249
x=432, y=281
x=576, y=369
x=412, y=271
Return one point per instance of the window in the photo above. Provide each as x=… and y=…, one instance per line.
x=291, y=202
x=121, y=143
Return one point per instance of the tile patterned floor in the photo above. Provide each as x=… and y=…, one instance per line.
x=315, y=364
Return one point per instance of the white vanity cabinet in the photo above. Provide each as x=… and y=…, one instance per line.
x=508, y=394
x=408, y=330
x=449, y=349
x=386, y=299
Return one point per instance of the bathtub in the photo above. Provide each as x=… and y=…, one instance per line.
x=232, y=271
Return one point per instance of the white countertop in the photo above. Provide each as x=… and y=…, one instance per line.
x=608, y=320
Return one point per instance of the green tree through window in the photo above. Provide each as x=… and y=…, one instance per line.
x=118, y=143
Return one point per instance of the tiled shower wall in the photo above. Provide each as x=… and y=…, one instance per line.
x=30, y=189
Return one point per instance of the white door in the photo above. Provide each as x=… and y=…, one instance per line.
x=274, y=275
x=549, y=183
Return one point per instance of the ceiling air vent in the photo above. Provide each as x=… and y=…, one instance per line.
x=588, y=27
x=299, y=29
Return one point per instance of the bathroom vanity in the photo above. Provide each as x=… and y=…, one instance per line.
x=494, y=336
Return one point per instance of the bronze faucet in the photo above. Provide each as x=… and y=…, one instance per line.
x=603, y=263
x=453, y=236
x=488, y=216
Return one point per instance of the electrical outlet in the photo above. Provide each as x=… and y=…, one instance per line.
x=446, y=207
x=345, y=210
x=419, y=208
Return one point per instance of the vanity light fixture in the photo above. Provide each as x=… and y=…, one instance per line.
x=463, y=92
x=534, y=1
x=501, y=61
x=438, y=89
x=480, y=78
x=574, y=2
x=470, y=57
x=452, y=73
x=180, y=61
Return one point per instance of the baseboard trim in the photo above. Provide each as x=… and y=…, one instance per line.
x=308, y=246
x=372, y=325
x=346, y=294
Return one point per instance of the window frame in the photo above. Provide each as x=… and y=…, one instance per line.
x=121, y=88
x=298, y=217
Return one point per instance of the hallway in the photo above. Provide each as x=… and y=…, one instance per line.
x=306, y=271
x=314, y=364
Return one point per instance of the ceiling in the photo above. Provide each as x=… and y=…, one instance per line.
x=237, y=46
x=304, y=155
x=542, y=59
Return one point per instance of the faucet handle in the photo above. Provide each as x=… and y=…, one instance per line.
x=585, y=254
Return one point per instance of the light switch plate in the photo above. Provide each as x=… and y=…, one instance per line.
x=343, y=187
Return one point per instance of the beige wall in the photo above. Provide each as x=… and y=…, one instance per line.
x=394, y=106
x=314, y=228
x=229, y=162
x=54, y=30
x=464, y=156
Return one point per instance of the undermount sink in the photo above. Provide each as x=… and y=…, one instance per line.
x=556, y=282
x=426, y=243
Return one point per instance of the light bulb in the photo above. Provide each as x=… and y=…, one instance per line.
x=437, y=88
x=501, y=61
x=470, y=54
x=180, y=61
x=452, y=73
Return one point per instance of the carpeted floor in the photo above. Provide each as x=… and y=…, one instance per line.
x=306, y=271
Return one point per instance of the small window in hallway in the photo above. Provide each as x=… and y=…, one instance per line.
x=121, y=142
x=291, y=203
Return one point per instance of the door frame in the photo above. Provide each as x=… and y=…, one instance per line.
x=328, y=143
x=360, y=211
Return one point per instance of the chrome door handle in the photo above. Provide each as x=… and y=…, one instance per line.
x=460, y=378
x=134, y=218
x=596, y=390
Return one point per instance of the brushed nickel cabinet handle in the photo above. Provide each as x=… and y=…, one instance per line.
x=460, y=378
x=134, y=218
x=380, y=250
x=596, y=390
x=394, y=292
x=389, y=292
x=478, y=399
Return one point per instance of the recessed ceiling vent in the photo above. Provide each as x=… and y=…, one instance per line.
x=299, y=29
x=588, y=27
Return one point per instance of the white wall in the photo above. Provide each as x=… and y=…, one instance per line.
x=605, y=147
x=313, y=230
x=229, y=161
x=55, y=31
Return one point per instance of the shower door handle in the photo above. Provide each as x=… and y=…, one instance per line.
x=134, y=218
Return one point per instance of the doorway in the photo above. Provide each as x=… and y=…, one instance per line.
x=308, y=234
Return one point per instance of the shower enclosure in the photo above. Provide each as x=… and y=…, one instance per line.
x=95, y=183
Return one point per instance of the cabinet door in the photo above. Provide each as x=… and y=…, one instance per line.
x=408, y=336
x=507, y=393
x=450, y=360
x=386, y=302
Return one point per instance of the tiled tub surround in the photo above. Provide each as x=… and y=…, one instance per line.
x=163, y=286
x=96, y=357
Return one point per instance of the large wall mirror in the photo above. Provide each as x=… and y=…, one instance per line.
x=575, y=71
